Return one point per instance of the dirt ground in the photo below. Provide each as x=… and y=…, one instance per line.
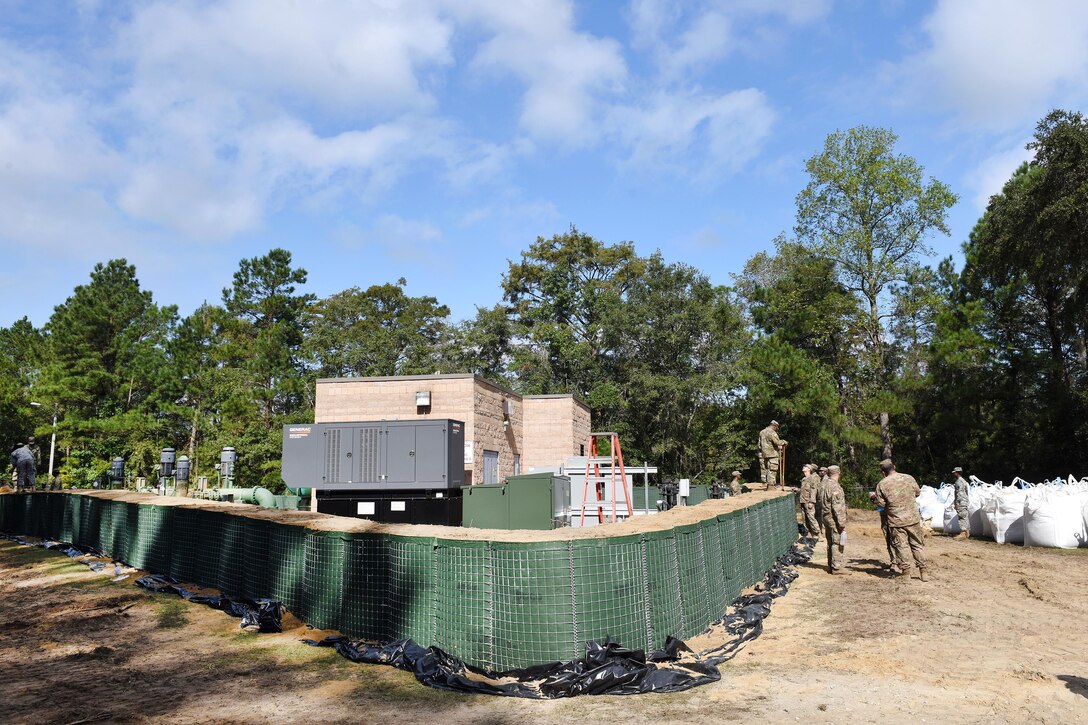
x=998, y=635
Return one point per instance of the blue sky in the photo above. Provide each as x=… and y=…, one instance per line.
x=436, y=139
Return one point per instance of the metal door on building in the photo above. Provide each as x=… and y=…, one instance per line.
x=491, y=467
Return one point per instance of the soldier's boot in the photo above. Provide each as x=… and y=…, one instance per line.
x=922, y=575
x=961, y=536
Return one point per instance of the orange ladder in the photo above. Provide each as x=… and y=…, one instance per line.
x=613, y=473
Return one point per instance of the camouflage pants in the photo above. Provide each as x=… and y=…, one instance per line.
x=809, y=511
x=907, y=541
x=836, y=557
x=768, y=470
x=964, y=519
x=887, y=537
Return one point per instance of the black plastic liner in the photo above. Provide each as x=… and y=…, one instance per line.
x=608, y=668
x=264, y=614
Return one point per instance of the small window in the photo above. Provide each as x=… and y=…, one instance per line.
x=582, y=449
x=517, y=464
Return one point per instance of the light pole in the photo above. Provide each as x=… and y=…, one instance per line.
x=52, y=441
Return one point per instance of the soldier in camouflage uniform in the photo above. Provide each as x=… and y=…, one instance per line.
x=770, y=450
x=734, y=485
x=831, y=512
x=808, y=498
x=897, y=494
x=960, y=503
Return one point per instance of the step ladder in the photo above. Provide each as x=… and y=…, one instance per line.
x=601, y=470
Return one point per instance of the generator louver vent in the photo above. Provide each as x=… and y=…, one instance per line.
x=332, y=456
x=368, y=455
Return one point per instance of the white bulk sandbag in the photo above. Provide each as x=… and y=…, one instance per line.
x=951, y=519
x=1005, y=513
x=1084, y=515
x=1056, y=518
x=930, y=507
x=977, y=496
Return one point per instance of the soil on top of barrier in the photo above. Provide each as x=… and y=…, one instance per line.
x=997, y=635
x=678, y=516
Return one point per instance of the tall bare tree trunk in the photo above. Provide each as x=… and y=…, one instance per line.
x=886, y=434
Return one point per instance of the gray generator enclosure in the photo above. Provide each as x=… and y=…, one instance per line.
x=388, y=455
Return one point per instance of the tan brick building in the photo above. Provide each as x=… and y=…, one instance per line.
x=505, y=433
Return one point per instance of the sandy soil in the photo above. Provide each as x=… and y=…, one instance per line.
x=998, y=635
x=324, y=522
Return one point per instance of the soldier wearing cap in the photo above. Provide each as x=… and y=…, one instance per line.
x=897, y=494
x=831, y=513
x=770, y=450
x=735, y=485
x=960, y=503
x=808, y=498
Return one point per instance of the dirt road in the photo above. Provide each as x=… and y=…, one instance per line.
x=1000, y=634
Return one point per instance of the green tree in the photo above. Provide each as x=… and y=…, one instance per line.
x=21, y=353
x=481, y=345
x=379, y=331
x=677, y=340
x=1025, y=266
x=260, y=353
x=561, y=295
x=106, y=364
x=869, y=210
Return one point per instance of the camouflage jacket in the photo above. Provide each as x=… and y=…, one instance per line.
x=769, y=443
x=808, y=488
x=897, y=494
x=961, y=493
x=831, y=503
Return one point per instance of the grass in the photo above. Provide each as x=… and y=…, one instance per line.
x=172, y=614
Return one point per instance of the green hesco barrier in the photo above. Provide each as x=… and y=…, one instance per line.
x=230, y=578
x=322, y=578
x=287, y=562
x=500, y=603
x=463, y=599
x=184, y=563
x=255, y=560
x=209, y=545
x=364, y=608
x=411, y=587
x=121, y=531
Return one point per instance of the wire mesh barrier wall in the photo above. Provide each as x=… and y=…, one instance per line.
x=495, y=604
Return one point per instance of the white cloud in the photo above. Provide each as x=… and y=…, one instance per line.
x=690, y=37
x=198, y=121
x=568, y=75
x=996, y=61
x=367, y=56
x=990, y=175
x=695, y=132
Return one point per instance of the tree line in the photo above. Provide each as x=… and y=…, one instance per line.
x=842, y=333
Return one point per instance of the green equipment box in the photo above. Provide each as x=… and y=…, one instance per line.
x=530, y=501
